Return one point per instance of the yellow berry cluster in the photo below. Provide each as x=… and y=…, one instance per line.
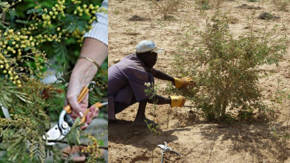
x=89, y=10
x=17, y=50
x=92, y=149
x=38, y=56
x=76, y=1
x=48, y=37
x=17, y=42
x=22, y=46
x=56, y=10
x=77, y=33
x=9, y=72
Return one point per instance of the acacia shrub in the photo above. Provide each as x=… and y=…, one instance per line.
x=226, y=68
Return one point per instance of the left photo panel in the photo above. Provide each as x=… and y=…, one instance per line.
x=53, y=80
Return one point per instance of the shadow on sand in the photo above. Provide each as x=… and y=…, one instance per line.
x=258, y=139
x=127, y=133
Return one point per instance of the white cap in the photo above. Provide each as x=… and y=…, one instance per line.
x=147, y=46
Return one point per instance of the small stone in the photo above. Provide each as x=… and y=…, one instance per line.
x=268, y=16
x=246, y=6
x=116, y=61
x=137, y=18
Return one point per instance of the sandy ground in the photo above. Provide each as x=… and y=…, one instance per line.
x=184, y=130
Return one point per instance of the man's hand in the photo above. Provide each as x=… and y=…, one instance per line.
x=182, y=82
x=177, y=101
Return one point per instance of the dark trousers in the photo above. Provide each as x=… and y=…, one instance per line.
x=119, y=106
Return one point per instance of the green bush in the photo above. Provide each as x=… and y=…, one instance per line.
x=225, y=68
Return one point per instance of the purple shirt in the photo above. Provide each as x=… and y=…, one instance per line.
x=127, y=80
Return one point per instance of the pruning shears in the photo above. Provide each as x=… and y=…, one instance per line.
x=165, y=148
x=65, y=122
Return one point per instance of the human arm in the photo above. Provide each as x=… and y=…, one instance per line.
x=84, y=71
x=95, y=48
x=174, y=101
x=177, y=82
x=159, y=100
x=161, y=75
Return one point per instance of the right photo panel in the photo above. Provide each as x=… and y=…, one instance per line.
x=204, y=81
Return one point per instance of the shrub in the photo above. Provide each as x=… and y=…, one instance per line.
x=31, y=33
x=226, y=68
x=166, y=7
x=33, y=30
x=22, y=134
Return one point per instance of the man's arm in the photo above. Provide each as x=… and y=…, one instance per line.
x=161, y=75
x=156, y=99
x=174, y=101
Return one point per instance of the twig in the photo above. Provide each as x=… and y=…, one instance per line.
x=4, y=16
x=64, y=142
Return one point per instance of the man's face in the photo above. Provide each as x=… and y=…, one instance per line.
x=150, y=59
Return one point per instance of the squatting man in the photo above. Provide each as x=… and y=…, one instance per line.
x=129, y=79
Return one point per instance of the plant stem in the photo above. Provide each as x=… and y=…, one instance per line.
x=64, y=142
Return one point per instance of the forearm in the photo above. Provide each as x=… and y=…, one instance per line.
x=161, y=75
x=95, y=50
x=159, y=100
x=84, y=70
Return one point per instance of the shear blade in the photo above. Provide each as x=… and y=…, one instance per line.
x=53, y=134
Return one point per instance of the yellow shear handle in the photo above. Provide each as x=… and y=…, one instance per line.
x=96, y=105
x=82, y=95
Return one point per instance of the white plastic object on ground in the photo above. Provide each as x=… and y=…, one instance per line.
x=5, y=112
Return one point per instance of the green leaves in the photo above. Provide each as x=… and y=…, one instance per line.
x=73, y=137
x=226, y=68
x=32, y=39
x=37, y=11
x=61, y=54
x=10, y=94
x=44, y=24
x=18, y=135
x=29, y=108
x=4, y=5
